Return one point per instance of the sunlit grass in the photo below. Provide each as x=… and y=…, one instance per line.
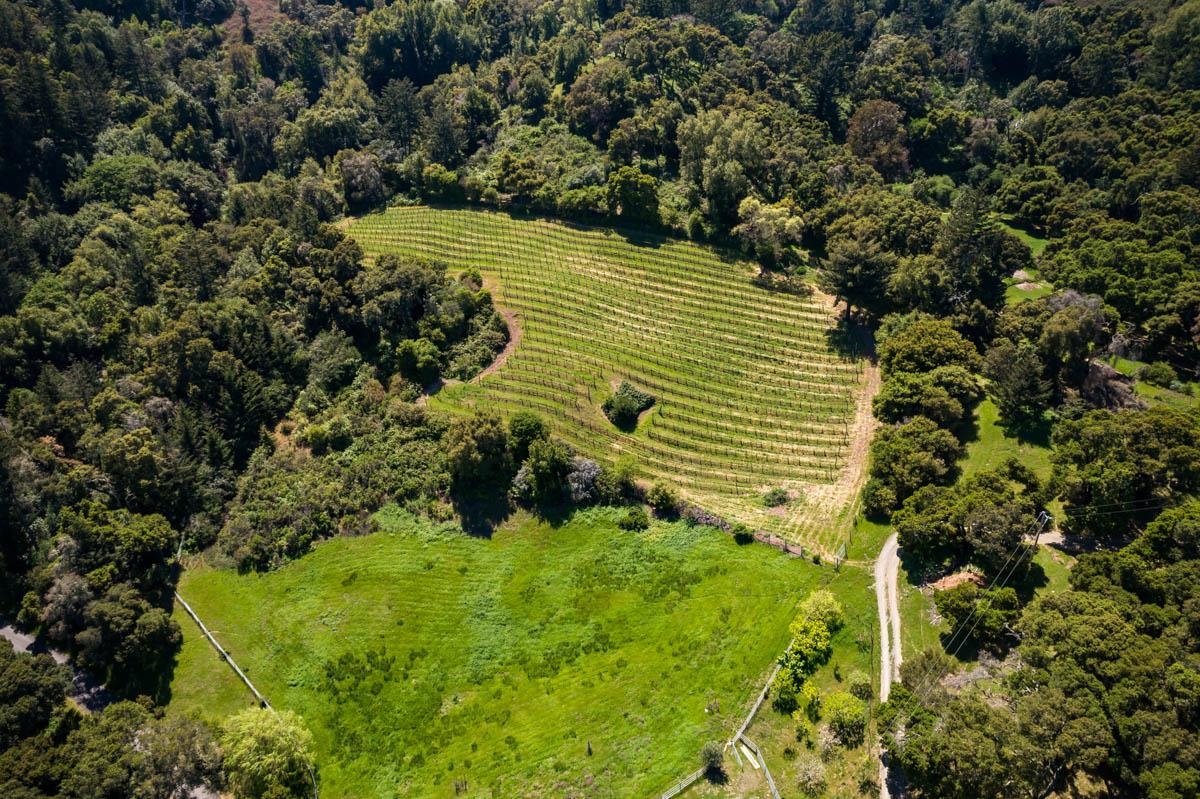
x=422, y=658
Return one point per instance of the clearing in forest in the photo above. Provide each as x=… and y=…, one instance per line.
x=568, y=660
x=750, y=393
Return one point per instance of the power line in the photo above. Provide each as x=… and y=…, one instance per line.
x=918, y=698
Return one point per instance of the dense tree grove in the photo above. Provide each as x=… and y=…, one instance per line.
x=194, y=356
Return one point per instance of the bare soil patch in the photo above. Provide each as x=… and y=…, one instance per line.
x=956, y=579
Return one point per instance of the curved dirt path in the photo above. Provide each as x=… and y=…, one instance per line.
x=514, y=339
x=887, y=600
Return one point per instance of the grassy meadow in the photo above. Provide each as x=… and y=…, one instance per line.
x=992, y=445
x=429, y=663
x=752, y=392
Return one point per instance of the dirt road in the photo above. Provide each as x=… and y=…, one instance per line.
x=887, y=600
x=88, y=693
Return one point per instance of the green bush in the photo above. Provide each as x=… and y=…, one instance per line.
x=810, y=698
x=663, y=499
x=821, y=606
x=775, y=497
x=418, y=360
x=316, y=438
x=340, y=435
x=624, y=406
x=616, y=483
x=524, y=428
x=1158, y=373
x=847, y=717
x=635, y=519
x=860, y=685
x=441, y=183
x=878, y=498
x=712, y=757
x=783, y=694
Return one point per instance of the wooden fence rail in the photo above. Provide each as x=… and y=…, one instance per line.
x=262, y=700
x=679, y=787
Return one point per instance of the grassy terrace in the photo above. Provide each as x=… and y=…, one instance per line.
x=424, y=660
x=751, y=394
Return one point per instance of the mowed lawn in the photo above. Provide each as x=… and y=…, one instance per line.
x=429, y=663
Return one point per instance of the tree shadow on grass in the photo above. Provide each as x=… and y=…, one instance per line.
x=481, y=513
x=716, y=776
x=1036, y=433
x=1028, y=579
x=555, y=514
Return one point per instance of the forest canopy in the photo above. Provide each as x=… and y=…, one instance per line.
x=195, y=356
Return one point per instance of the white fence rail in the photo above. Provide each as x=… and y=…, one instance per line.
x=262, y=700
x=679, y=787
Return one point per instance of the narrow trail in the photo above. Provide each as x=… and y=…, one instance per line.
x=887, y=600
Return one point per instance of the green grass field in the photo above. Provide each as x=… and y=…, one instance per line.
x=992, y=445
x=1157, y=395
x=422, y=658
x=750, y=392
x=1034, y=285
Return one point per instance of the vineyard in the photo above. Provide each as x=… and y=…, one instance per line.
x=750, y=395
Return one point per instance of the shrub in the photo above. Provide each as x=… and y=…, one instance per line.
x=549, y=462
x=524, y=428
x=267, y=754
x=663, y=499
x=1158, y=373
x=810, y=648
x=441, y=183
x=742, y=534
x=582, y=479
x=822, y=607
x=340, y=435
x=616, y=483
x=635, y=519
x=624, y=406
x=316, y=438
x=810, y=697
x=775, y=497
x=418, y=360
x=712, y=757
x=860, y=685
x=847, y=717
x=783, y=693
x=810, y=775
x=878, y=499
